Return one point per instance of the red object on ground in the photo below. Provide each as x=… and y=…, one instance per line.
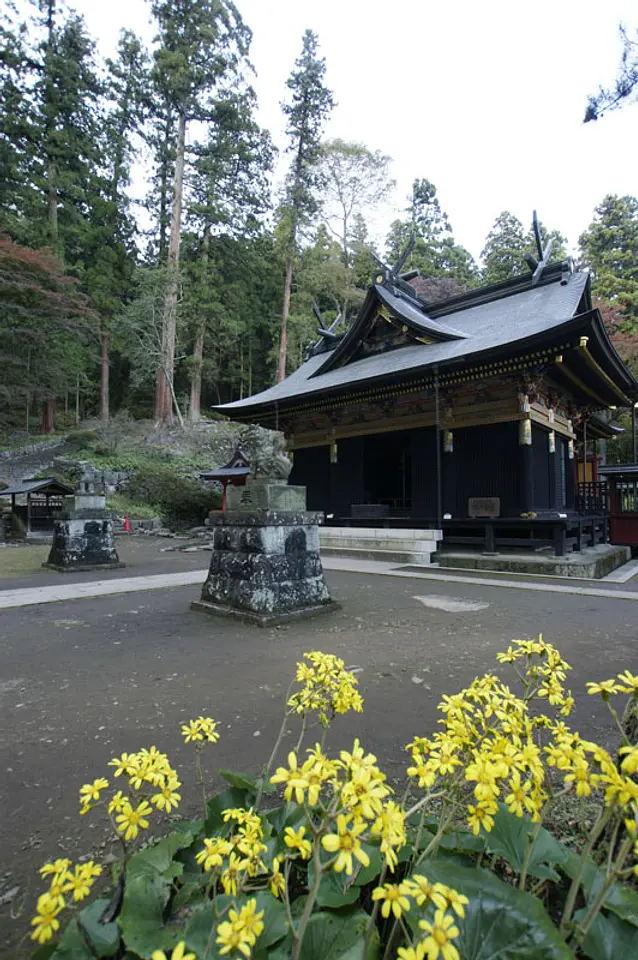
x=127, y=528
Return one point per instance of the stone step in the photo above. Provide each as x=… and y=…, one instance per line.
x=379, y=533
x=399, y=546
x=369, y=553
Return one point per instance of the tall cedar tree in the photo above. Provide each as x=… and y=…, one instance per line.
x=504, y=249
x=109, y=275
x=609, y=247
x=436, y=254
x=229, y=191
x=310, y=104
x=201, y=41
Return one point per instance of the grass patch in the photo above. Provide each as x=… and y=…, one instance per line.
x=125, y=506
x=20, y=561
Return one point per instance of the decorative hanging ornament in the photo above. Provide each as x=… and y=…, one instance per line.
x=551, y=438
x=525, y=433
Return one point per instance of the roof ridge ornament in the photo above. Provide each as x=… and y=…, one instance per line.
x=392, y=276
x=537, y=266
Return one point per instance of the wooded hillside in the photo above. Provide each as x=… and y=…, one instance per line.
x=200, y=290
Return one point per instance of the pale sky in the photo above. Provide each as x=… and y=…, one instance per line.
x=485, y=99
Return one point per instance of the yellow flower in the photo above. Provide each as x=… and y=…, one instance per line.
x=215, y=849
x=81, y=881
x=440, y=933
x=177, y=954
x=423, y=891
x=168, y=797
x=45, y=920
x=291, y=777
x=581, y=776
x=191, y=731
x=91, y=791
x=230, y=937
x=57, y=867
x=116, y=803
x=481, y=816
x=295, y=840
x=455, y=900
x=248, y=921
x=394, y=898
x=630, y=682
x=630, y=763
x=127, y=763
x=605, y=688
x=132, y=821
x=417, y=952
x=277, y=880
x=230, y=876
x=347, y=844
x=208, y=727
x=518, y=801
x=363, y=794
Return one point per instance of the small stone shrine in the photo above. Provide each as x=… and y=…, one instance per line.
x=83, y=537
x=265, y=566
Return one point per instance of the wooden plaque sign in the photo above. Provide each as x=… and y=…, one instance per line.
x=484, y=506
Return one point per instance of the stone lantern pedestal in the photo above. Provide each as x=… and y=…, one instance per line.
x=265, y=566
x=83, y=539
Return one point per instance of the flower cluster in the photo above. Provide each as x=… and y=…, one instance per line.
x=352, y=792
x=65, y=881
x=150, y=777
x=238, y=855
x=435, y=939
x=628, y=684
x=203, y=729
x=488, y=743
x=241, y=931
x=327, y=687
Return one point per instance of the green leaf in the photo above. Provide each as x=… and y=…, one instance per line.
x=142, y=917
x=44, y=951
x=198, y=930
x=371, y=872
x=609, y=938
x=338, y=936
x=501, y=922
x=242, y=781
x=333, y=891
x=509, y=838
x=158, y=858
x=462, y=841
x=275, y=920
x=288, y=815
x=227, y=799
x=72, y=945
x=621, y=900
x=105, y=937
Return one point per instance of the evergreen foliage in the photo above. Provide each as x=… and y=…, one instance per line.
x=210, y=285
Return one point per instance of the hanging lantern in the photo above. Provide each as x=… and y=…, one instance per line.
x=448, y=441
x=551, y=438
x=525, y=433
x=570, y=449
x=550, y=414
x=333, y=452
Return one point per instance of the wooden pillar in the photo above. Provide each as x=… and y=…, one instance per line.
x=224, y=485
x=554, y=468
x=526, y=466
x=449, y=474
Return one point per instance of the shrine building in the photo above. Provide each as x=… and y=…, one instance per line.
x=461, y=415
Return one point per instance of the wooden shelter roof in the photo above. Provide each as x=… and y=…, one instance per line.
x=46, y=485
x=525, y=316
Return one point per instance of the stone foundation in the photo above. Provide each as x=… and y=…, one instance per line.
x=265, y=567
x=83, y=544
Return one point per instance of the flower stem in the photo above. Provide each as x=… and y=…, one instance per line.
x=528, y=854
x=200, y=778
x=587, y=849
x=583, y=928
x=310, y=902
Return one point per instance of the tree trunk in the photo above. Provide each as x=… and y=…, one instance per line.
x=198, y=349
x=48, y=415
x=164, y=395
x=51, y=169
x=104, y=377
x=283, y=341
x=77, y=401
x=196, y=383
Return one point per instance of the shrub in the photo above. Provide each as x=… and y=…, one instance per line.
x=342, y=869
x=180, y=500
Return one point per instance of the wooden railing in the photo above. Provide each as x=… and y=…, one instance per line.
x=592, y=496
